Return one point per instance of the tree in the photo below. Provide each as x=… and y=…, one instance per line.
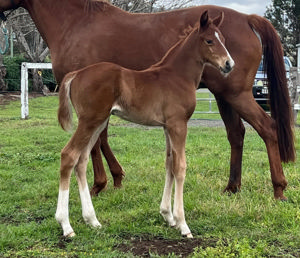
x=29, y=41
x=149, y=6
x=285, y=17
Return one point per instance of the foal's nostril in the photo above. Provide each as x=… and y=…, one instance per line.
x=228, y=65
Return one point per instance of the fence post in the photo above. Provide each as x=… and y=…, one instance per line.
x=24, y=91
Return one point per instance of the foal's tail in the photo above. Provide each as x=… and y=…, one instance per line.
x=65, y=108
x=280, y=102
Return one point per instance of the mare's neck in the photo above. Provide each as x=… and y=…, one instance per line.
x=184, y=59
x=56, y=19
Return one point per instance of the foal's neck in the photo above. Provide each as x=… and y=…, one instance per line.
x=183, y=58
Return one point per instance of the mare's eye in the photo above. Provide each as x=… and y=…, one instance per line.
x=209, y=42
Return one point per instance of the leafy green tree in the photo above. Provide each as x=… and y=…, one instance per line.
x=285, y=17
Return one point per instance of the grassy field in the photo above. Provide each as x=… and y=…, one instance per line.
x=248, y=224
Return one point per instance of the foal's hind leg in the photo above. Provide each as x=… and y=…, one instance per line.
x=235, y=134
x=75, y=153
x=88, y=211
x=69, y=158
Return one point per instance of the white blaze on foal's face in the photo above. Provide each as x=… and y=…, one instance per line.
x=228, y=59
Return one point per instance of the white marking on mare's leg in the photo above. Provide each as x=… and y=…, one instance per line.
x=62, y=213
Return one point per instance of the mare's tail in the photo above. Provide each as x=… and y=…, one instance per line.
x=65, y=108
x=280, y=102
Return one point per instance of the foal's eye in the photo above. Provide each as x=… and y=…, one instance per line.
x=209, y=41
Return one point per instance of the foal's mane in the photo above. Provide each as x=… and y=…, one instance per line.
x=186, y=33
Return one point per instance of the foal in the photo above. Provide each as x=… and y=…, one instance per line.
x=163, y=95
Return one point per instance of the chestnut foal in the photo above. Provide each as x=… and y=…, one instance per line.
x=162, y=95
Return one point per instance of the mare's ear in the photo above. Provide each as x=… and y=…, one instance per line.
x=218, y=21
x=204, y=20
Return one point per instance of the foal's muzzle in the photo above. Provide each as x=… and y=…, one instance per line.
x=227, y=68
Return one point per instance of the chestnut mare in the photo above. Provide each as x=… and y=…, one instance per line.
x=84, y=32
x=162, y=95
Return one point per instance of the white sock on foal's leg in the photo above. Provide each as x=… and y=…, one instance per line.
x=88, y=211
x=62, y=213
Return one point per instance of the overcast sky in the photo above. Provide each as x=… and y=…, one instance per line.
x=245, y=6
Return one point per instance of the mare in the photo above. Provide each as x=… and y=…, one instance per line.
x=84, y=32
x=162, y=95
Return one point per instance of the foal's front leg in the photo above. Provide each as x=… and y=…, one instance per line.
x=166, y=206
x=177, y=135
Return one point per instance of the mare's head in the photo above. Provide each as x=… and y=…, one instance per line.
x=6, y=5
x=212, y=43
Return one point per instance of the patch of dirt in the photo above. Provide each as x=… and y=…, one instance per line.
x=147, y=246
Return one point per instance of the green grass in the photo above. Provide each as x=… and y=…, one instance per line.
x=248, y=224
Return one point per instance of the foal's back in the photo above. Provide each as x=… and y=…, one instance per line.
x=145, y=97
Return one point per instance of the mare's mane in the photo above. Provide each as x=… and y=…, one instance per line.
x=96, y=5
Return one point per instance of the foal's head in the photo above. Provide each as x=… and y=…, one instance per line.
x=212, y=43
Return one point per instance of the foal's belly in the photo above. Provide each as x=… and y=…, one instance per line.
x=138, y=116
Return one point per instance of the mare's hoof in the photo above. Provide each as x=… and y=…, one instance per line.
x=118, y=179
x=96, y=189
x=278, y=193
x=232, y=189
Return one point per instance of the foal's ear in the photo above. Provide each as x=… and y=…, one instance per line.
x=204, y=20
x=218, y=21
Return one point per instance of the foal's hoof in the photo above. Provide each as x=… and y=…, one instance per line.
x=189, y=235
x=70, y=235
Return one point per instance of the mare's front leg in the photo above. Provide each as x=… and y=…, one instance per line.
x=177, y=132
x=235, y=134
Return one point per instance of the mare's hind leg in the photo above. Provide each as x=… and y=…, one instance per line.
x=235, y=134
x=115, y=168
x=100, y=178
x=246, y=106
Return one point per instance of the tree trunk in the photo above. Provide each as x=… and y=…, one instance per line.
x=37, y=81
